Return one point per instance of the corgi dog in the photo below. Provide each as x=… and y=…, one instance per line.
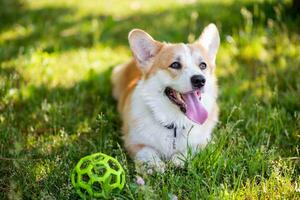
x=167, y=97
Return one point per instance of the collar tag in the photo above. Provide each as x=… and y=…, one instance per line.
x=174, y=139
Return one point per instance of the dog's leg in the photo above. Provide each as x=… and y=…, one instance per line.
x=150, y=157
x=178, y=159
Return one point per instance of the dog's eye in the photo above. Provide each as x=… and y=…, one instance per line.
x=202, y=65
x=175, y=65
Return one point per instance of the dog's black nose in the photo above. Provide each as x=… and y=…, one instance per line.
x=198, y=81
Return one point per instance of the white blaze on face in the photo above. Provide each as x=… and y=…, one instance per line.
x=183, y=84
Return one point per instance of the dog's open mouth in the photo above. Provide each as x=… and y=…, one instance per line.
x=189, y=103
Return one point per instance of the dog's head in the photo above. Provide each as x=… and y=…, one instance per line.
x=178, y=79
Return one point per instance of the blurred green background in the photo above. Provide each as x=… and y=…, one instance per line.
x=56, y=58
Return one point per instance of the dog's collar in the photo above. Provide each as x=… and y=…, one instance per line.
x=174, y=127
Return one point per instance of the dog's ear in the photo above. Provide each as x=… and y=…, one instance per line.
x=143, y=47
x=210, y=40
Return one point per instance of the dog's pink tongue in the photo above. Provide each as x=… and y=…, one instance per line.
x=195, y=111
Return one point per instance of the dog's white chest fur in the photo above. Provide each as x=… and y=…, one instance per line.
x=147, y=130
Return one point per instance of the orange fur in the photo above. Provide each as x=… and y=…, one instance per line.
x=124, y=81
x=133, y=149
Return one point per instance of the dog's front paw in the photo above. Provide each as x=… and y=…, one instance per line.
x=148, y=161
x=178, y=160
x=150, y=167
x=158, y=166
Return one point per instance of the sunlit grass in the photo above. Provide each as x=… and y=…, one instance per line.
x=67, y=68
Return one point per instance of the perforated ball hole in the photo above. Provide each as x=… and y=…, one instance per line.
x=75, y=176
x=99, y=157
x=85, y=178
x=85, y=164
x=113, y=165
x=99, y=170
x=121, y=178
x=84, y=192
x=96, y=186
x=113, y=179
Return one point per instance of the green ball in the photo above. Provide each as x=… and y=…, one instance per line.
x=97, y=176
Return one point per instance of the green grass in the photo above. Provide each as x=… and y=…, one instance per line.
x=55, y=96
